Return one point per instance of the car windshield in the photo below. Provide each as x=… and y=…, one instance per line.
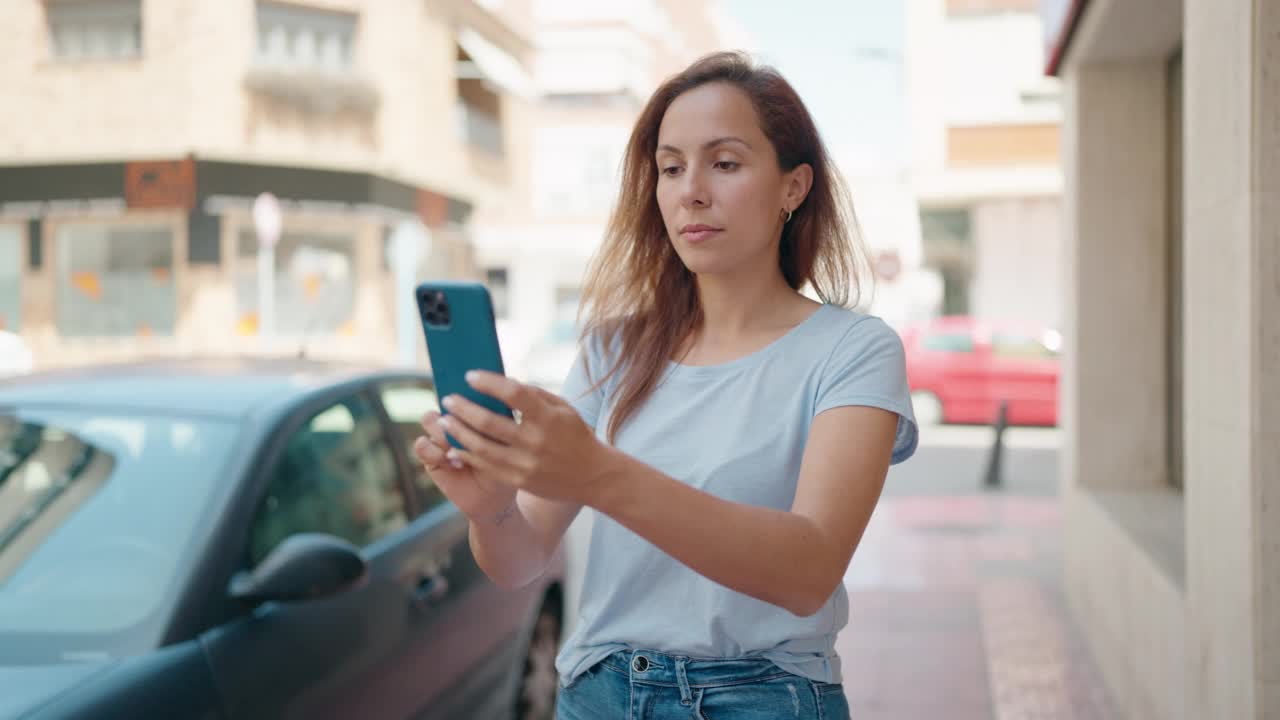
x=97, y=512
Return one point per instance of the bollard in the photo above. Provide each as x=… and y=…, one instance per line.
x=994, y=477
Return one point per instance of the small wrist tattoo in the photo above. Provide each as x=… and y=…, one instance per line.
x=505, y=514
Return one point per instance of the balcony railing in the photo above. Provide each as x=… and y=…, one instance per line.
x=315, y=90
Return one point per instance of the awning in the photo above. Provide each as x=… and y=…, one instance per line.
x=1060, y=18
x=495, y=65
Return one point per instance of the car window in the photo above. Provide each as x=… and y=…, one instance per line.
x=336, y=475
x=100, y=514
x=1015, y=345
x=405, y=403
x=948, y=342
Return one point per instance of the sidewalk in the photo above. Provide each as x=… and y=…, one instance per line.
x=956, y=612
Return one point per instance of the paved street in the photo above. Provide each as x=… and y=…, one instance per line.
x=953, y=459
x=956, y=605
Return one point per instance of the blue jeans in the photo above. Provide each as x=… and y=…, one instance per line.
x=644, y=685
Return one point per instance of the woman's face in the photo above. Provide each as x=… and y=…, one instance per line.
x=720, y=190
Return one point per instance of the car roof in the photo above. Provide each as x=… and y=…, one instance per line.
x=221, y=387
x=970, y=323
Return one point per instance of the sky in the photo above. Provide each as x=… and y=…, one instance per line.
x=845, y=58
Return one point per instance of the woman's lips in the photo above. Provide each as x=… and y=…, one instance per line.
x=699, y=234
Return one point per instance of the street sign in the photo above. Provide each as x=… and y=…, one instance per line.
x=410, y=242
x=888, y=265
x=267, y=219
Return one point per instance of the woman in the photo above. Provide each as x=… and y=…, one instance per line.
x=732, y=434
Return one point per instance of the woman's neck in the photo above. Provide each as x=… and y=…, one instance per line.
x=736, y=307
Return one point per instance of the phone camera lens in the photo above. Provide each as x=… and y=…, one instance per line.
x=434, y=307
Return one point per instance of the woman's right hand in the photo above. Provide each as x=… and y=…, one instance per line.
x=478, y=498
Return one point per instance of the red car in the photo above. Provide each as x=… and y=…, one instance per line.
x=960, y=368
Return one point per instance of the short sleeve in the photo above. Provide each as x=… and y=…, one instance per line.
x=868, y=367
x=579, y=389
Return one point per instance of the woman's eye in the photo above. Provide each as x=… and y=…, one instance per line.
x=671, y=171
x=726, y=165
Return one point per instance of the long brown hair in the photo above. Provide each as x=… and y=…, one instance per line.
x=641, y=301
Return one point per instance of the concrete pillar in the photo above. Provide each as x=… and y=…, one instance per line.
x=1265, y=236
x=1113, y=394
x=1233, y=356
x=1124, y=541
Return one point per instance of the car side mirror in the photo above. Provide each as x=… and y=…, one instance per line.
x=302, y=567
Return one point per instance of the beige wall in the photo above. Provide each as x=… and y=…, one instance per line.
x=996, y=145
x=84, y=110
x=1232, y=332
x=186, y=94
x=1017, y=275
x=1178, y=591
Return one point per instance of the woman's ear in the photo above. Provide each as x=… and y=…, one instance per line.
x=796, y=184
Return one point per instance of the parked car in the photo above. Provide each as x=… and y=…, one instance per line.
x=247, y=539
x=961, y=368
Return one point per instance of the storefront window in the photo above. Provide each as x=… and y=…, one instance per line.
x=315, y=281
x=11, y=277
x=115, y=280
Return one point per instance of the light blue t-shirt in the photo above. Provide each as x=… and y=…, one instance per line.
x=735, y=430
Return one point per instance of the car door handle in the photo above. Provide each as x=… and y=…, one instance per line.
x=431, y=590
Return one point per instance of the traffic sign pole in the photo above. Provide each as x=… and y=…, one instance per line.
x=267, y=222
x=410, y=242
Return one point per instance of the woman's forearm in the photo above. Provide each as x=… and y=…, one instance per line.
x=508, y=548
x=777, y=556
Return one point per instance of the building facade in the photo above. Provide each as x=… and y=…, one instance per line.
x=984, y=167
x=138, y=134
x=1171, y=383
x=597, y=61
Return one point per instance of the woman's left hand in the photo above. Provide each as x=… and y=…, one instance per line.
x=550, y=452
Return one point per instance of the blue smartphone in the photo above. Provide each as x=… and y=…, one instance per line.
x=458, y=323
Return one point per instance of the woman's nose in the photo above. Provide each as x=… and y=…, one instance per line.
x=695, y=192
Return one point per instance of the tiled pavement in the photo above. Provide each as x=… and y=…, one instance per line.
x=956, y=612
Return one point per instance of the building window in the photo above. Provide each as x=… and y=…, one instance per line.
x=11, y=237
x=1174, y=282
x=948, y=245
x=576, y=170
x=299, y=37
x=115, y=280
x=479, y=128
x=495, y=278
x=94, y=29
x=479, y=110
x=315, y=284
x=600, y=175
